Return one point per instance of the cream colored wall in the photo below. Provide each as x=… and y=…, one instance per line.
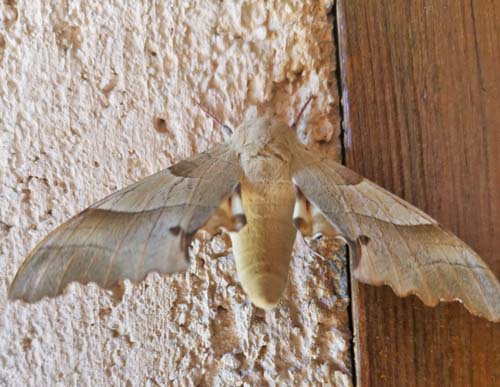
x=84, y=88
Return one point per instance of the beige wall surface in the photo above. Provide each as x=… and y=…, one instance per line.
x=95, y=95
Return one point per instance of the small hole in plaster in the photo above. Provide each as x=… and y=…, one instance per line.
x=74, y=131
x=221, y=309
x=262, y=352
x=128, y=340
x=2, y=47
x=96, y=164
x=258, y=368
x=160, y=125
x=5, y=227
x=64, y=186
x=104, y=312
x=27, y=341
x=27, y=195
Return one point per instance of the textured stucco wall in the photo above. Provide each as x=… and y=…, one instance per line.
x=94, y=97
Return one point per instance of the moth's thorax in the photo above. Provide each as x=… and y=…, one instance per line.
x=264, y=146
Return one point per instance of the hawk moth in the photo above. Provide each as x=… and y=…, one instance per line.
x=262, y=185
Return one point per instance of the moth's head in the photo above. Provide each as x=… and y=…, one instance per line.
x=262, y=129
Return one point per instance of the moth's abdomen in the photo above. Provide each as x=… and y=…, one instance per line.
x=263, y=248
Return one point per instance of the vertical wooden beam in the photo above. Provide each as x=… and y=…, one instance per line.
x=421, y=85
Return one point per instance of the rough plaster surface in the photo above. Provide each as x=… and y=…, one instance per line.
x=94, y=97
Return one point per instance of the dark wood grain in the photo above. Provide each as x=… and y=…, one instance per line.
x=421, y=84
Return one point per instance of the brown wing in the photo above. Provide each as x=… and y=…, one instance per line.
x=142, y=228
x=395, y=243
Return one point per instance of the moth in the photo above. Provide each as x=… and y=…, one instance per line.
x=262, y=185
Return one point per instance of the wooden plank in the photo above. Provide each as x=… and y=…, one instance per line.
x=421, y=84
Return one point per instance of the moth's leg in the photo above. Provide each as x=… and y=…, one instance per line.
x=325, y=242
x=309, y=220
x=238, y=217
x=230, y=215
x=302, y=213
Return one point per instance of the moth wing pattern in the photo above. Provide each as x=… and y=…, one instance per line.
x=143, y=228
x=395, y=243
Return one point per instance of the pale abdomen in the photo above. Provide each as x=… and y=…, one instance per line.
x=263, y=248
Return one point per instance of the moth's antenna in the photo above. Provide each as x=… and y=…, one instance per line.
x=301, y=111
x=207, y=112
